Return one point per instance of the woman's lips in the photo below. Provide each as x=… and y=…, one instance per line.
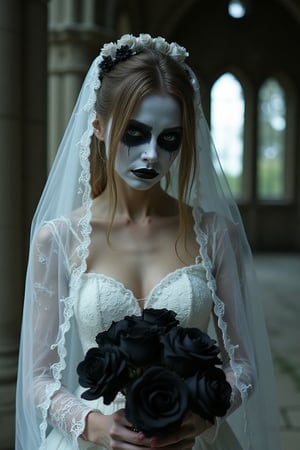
x=147, y=174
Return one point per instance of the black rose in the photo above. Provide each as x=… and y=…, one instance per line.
x=210, y=393
x=188, y=350
x=140, y=345
x=106, y=64
x=162, y=318
x=156, y=402
x=122, y=53
x=104, y=372
x=112, y=334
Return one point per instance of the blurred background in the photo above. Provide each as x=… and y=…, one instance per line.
x=246, y=55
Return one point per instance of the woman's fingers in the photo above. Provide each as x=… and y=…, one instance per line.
x=184, y=438
x=123, y=437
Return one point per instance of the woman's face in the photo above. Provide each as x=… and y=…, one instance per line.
x=150, y=143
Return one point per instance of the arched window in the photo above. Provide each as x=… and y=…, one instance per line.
x=271, y=147
x=227, y=126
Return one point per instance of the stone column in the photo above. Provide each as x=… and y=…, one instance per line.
x=75, y=37
x=22, y=166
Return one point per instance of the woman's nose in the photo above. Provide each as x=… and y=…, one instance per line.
x=150, y=153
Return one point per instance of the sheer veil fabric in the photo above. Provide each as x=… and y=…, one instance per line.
x=60, y=237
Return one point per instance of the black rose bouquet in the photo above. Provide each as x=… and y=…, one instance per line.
x=163, y=370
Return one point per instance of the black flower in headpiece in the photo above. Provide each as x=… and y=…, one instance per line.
x=123, y=53
x=106, y=64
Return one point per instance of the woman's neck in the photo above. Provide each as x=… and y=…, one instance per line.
x=139, y=205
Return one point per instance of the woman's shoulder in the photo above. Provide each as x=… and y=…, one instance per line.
x=213, y=223
x=59, y=229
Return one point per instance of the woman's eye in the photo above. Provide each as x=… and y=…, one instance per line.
x=134, y=136
x=133, y=132
x=169, y=137
x=170, y=141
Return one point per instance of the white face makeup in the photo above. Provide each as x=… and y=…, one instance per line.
x=151, y=142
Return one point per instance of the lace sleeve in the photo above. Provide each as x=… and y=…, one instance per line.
x=230, y=313
x=52, y=311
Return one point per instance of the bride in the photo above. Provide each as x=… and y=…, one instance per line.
x=136, y=214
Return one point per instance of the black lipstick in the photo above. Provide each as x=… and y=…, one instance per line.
x=146, y=174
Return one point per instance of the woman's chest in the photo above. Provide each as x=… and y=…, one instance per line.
x=101, y=299
x=139, y=259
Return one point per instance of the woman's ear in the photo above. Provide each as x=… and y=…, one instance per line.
x=98, y=128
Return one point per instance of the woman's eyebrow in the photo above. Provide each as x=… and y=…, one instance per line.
x=172, y=129
x=140, y=125
x=147, y=128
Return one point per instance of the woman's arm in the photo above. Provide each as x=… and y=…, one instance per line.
x=50, y=322
x=230, y=310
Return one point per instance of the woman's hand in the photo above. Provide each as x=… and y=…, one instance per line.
x=114, y=432
x=184, y=438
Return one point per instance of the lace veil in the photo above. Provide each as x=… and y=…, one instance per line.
x=60, y=238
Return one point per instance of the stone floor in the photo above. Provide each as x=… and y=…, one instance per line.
x=279, y=278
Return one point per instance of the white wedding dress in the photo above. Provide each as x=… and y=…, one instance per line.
x=101, y=299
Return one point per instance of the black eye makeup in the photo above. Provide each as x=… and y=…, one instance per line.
x=138, y=133
x=170, y=140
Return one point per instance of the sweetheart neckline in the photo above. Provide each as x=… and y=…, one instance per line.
x=163, y=280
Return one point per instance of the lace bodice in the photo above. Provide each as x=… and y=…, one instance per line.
x=101, y=299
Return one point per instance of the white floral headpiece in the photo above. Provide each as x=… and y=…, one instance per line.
x=129, y=45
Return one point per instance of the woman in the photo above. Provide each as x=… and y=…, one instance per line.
x=136, y=214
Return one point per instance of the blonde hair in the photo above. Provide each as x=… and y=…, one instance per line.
x=147, y=73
